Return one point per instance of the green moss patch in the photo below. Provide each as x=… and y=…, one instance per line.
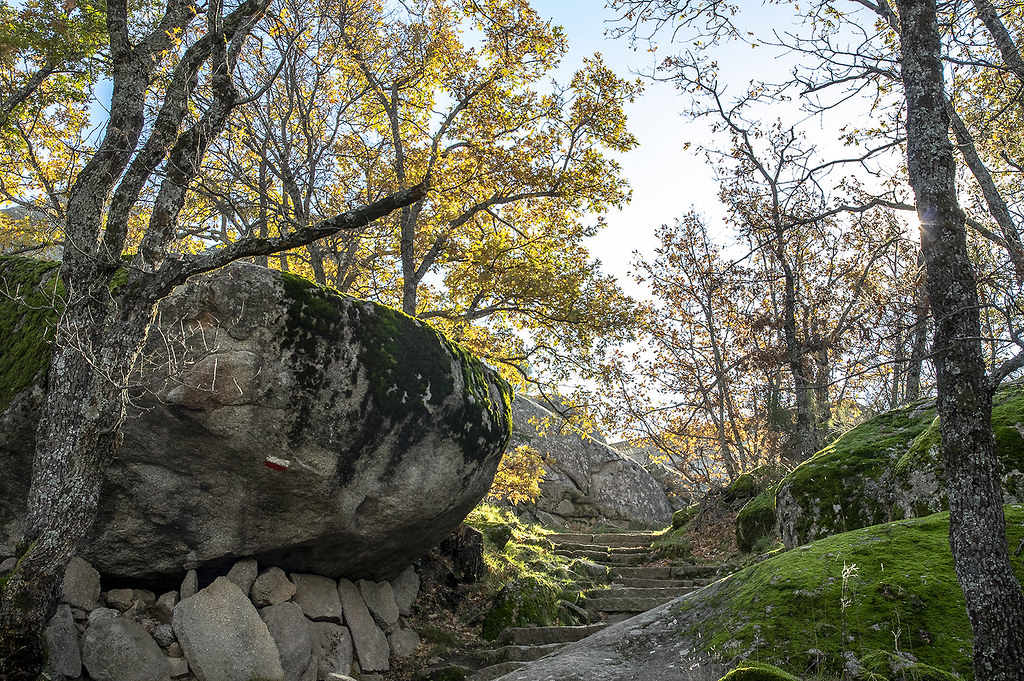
x=27, y=322
x=684, y=515
x=743, y=487
x=411, y=366
x=674, y=544
x=876, y=595
x=756, y=520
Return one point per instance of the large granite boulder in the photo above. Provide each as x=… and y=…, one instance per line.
x=887, y=468
x=278, y=420
x=585, y=481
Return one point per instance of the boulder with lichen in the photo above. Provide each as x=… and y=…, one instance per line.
x=272, y=418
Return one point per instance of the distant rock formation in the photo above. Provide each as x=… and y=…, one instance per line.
x=283, y=421
x=586, y=481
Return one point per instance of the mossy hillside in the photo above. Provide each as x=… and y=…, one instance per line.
x=901, y=596
x=846, y=485
x=528, y=580
x=889, y=468
x=410, y=365
x=26, y=323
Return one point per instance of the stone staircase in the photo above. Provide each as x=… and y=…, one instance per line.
x=635, y=588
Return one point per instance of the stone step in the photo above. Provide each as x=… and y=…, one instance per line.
x=616, y=617
x=666, y=572
x=667, y=593
x=622, y=550
x=634, y=605
x=516, y=653
x=695, y=571
x=494, y=671
x=591, y=555
x=642, y=572
x=618, y=539
x=573, y=546
x=615, y=559
x=656, y=583
x=534, y=636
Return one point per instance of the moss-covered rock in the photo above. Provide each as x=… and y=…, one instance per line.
x=841, y=601
x=27, y=320
x=756, y=520
x=684, y=515
x=527, y=582
x=888, y=468
x=745, y=486
x=531, y=599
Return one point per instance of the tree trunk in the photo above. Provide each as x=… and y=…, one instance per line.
x=977, y=527
x=75, y=441
x=920, y=335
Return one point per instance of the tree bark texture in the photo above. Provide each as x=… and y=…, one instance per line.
x=977, y=528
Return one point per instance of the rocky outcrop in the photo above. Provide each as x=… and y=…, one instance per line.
x=220, y=634
x=315, y=432
x=585, y=481
x=888, y=468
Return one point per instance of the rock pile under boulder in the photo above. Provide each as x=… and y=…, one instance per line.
x=253, y=623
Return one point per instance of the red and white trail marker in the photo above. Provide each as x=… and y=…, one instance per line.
x=274, y=463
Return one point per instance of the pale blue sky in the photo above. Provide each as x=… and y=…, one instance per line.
x=667, y=179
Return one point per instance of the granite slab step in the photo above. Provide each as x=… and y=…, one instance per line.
x=618, y=539
x=627, y=558
x=592, y=555
x=634, y=605
x=495, y=671
x=533, y=636
x=667, y=593
x=517, y=653
x=629, y=572
x=656, y=583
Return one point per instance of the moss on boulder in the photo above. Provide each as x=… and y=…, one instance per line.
x=756, y=520
x=889, y=468
x=684, y=515
x=27, y=321
x=903, y=606
x=524, y=601
x=365, y=434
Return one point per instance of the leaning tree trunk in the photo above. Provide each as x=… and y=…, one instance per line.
x=75, y=441
x=977, y=526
